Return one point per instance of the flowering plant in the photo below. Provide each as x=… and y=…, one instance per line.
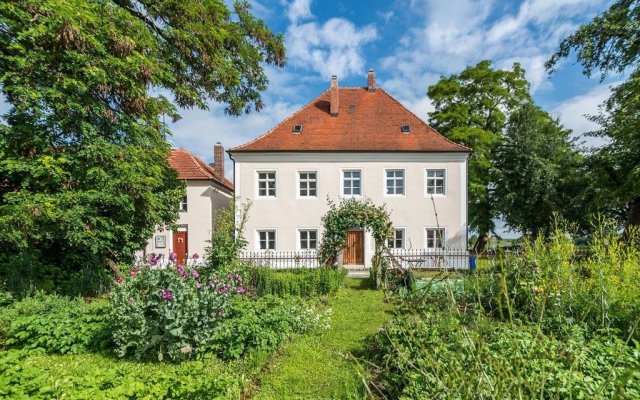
x=168, y=313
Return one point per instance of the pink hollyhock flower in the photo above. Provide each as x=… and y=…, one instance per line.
x=181, y=270
x=118, y=280
x=173, y=256
x=134, y=272
x=198, y=285
x=241, y=290
x=195, y=256
x=153, y=262
x=194, y=273
x=167, y=294
x=239, y=278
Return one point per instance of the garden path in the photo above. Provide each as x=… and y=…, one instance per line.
x=320, y=366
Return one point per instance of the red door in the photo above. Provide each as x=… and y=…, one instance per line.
x=181, y=246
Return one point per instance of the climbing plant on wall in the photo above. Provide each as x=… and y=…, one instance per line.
x=350, y=213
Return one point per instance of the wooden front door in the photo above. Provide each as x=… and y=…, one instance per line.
x=181, y=246
x=354, y=253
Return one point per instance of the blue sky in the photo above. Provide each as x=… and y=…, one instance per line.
x=410, y=44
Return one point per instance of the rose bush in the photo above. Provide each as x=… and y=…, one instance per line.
x=168, y=313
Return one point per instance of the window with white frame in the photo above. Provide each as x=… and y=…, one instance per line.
x=308, y=239
x=266, y=184
x=267, y=240
x=436, y=181
x=308, y=182
x=435, y=238
x=395, y=182
x=397, y=242
x=351, y=182
x=183, y=204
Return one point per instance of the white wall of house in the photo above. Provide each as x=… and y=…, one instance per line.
x=415, y=211
x=203, y=199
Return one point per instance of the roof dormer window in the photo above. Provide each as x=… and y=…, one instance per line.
x=405, y=129
x=297, y=128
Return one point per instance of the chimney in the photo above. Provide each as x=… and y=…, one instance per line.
x=218, y=159
x=335, y=100
x=371, y=81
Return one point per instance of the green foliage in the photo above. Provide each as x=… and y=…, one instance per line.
x=472, y=108
x=227, y=239
x=27, y=274
x=344, y=216
x=30, y=376
x=439, y=357
x=260, y=324
x=85, y=177
x=549, y=322
x=54, y=324
x=297, y=282
x=535, y=172
x=616, y=165
x=550, y=285
x=167, y=313
x=609, y=44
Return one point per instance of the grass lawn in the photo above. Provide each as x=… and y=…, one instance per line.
x=319, y=366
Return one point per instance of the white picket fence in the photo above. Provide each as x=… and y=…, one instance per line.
x=281, y=259
x=432, y=259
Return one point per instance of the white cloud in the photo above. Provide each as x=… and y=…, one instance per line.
x=573, y=113
x=454, y=34
x=299, y=10
x=334, y=47
x=199, y=130
x=386, y=16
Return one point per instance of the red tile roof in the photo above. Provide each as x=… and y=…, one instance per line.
x=191, y=167
x=366, y=121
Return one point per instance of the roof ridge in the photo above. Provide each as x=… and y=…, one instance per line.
x=424, y=122
x=281, y=122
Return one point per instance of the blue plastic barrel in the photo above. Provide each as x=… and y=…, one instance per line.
x=472, y=263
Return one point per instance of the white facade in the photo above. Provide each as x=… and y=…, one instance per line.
x=288, y=213
x=203, y=198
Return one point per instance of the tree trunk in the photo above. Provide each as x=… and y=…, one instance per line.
x=633, y=218
x=482, y=243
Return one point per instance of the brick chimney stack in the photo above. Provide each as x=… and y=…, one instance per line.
x=218, y=159
x=335, y=100
x=371, y=81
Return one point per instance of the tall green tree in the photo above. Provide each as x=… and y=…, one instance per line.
x=83, y=170
x=535, y=172
x=472, y=108
x=611, y=43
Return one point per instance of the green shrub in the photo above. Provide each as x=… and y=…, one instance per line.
x=436, y=356
x=262, y=323
x=158, y=313
x=545, y=323
x=26, y=274
x=551, y=285
x=303, y=282
x=54, y=324
x=227, y=239
x=30, y=376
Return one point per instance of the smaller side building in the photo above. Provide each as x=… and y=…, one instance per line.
x=207, y=191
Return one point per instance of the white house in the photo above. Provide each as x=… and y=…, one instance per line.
x=352, y=142
x=207, y=191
